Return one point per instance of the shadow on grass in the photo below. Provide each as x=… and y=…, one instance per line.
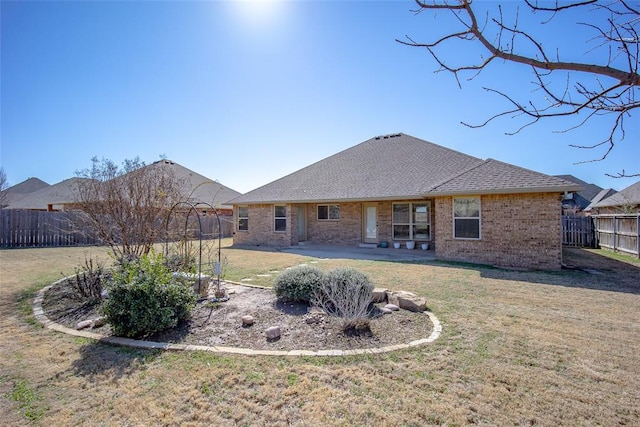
x=588, y=269
x=98, y=359
x=585, y=269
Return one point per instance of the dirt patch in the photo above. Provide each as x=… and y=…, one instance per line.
x=220, y=323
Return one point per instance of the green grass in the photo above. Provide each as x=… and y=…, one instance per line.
x=28, y=400
x=618, y=256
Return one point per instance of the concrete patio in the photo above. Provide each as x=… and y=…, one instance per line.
x=365, y=253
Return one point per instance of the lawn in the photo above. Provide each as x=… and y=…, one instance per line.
x=518, y=348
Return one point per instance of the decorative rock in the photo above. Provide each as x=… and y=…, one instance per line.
x=247, y=320
x=392, y=307
x=273, y=333
x=84, y=324
x=379, y=295
x=415, y=304
x=393, y=296
x=91, y=323
x=385, y=310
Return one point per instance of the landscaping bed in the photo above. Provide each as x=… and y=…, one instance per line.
x=220, y=323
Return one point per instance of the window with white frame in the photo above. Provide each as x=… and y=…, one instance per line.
x=466, y=217
x=328, y=212
x=411, y=221
x=280, y=218
x=243, y=218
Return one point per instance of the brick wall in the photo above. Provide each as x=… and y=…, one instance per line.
x=517, y=230
x=345, y=231
x=261, y=228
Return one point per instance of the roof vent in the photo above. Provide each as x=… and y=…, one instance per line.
x=392, y=135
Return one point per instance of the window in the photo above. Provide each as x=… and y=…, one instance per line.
x=328, y=212
x=243, y=218
x=411, y=221
x=280, y=218
x=466, y=218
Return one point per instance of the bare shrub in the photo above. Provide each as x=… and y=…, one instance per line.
x=345, y=293
x=126, y=207
x=88, y=282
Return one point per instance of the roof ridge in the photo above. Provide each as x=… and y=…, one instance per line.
x=469, y=169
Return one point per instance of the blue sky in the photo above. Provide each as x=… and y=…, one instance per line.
x=246, y=92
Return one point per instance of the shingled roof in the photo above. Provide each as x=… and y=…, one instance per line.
x=58, y=194
x=495, y=177
x=17, y=192
x=202, y=189
x=400, y=166
x=29, y=185
x=589, y=191
x=627, y=196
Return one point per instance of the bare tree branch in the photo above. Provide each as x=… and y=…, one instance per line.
x=4, y=184
x=591, y=91
x=127, y=207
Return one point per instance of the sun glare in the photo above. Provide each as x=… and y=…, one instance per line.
x=260, y=13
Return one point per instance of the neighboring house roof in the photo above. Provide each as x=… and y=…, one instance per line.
x=202, y=189
x=588, y=191
x=629, y=196
x=18, y=191
x=58, y=194
x=603, y=194
x=400, y=166
x=583, y=198
x=27, y=186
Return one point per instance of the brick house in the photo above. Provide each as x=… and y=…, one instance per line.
x=399, y=189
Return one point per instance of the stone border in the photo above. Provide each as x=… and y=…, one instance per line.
x=38, y=312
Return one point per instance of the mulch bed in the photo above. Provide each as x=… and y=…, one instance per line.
x=220, y=323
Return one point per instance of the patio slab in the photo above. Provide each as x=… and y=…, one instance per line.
x=355, y=252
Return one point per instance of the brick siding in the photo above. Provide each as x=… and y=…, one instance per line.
x=346, y=231
x=261, y=228
x=517, y=230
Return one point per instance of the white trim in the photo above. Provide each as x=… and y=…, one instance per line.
x=243, y=217
x=279, y=217
x=411, y=222
x=479, y=217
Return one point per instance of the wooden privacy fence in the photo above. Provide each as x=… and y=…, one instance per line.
x=578, y=231
x=27, y=228
x=619, y=232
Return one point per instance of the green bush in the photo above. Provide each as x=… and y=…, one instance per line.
x=298, y=283
x=145, y=298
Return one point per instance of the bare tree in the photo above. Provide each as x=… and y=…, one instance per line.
x=4, y=184
x=587, y=91
x=126, y=207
